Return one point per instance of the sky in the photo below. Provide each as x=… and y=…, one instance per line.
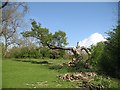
x=79, y=20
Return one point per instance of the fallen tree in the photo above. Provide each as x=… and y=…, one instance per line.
x=76, y=52
x=58, y=40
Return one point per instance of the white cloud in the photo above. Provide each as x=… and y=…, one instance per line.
x=92, y=40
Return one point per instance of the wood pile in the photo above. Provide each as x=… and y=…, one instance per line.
x=78, y=76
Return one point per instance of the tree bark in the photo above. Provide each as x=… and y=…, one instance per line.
x=63, y=48
x=76, y=51
x=68, y=48
x=5, y=47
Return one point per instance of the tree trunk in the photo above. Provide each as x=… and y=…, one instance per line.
x=5, y=47
x=76, y=51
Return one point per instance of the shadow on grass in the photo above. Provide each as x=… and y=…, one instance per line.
x=55, y=67
x=77, y=68
x=40, y=62
x=22, y=60
x=33, y=62
x=58, y=67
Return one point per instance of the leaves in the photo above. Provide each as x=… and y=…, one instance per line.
x=44, y=36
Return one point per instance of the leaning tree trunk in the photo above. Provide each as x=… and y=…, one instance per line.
x=76, y=51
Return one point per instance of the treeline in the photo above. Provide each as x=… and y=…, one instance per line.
x=36, y=52
x=38, y=46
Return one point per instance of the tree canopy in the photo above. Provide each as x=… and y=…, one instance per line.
x=45, y=37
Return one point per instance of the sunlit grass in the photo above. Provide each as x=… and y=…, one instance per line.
x=24, y=74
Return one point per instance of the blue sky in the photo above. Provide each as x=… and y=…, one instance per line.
x=78, y=20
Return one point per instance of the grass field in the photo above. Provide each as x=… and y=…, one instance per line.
x=28, y=75
x=42, y=73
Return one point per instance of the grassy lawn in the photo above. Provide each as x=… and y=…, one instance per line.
x=31, y=73
x=28, y=75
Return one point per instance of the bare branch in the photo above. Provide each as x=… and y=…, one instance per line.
x=86, y=49
x=5, y=4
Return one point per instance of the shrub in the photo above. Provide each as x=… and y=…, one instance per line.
x=110, y=59
x=97, y=51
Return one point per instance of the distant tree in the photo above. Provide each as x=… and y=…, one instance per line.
x=12, y=15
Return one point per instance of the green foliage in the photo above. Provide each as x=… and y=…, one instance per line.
x=44, y=52
x=105, y=82
x=96, y=54
x=59, y=38
x=34, y=52
x=110, y=59
x=23, y=52
x=55, y=54
x=80, y=67
x=61, y=53
x=44, y=37
x=105, y=56
x=38, y=32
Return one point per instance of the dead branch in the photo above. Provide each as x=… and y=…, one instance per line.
x=5, y=4
x=63, y=48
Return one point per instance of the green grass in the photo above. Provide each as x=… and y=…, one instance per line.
x=25, y=74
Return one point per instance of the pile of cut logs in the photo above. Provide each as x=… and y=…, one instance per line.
x=78, y=76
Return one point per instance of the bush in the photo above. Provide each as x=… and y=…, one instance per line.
x=34, y=52
x=110, y=59
x=105, y=82
x=44, y=52
x=23, y=52
x=105, y=56
x=55, y=54
x=97, y=51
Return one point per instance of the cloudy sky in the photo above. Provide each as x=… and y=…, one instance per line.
x=92, y=40
x=84, y=22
